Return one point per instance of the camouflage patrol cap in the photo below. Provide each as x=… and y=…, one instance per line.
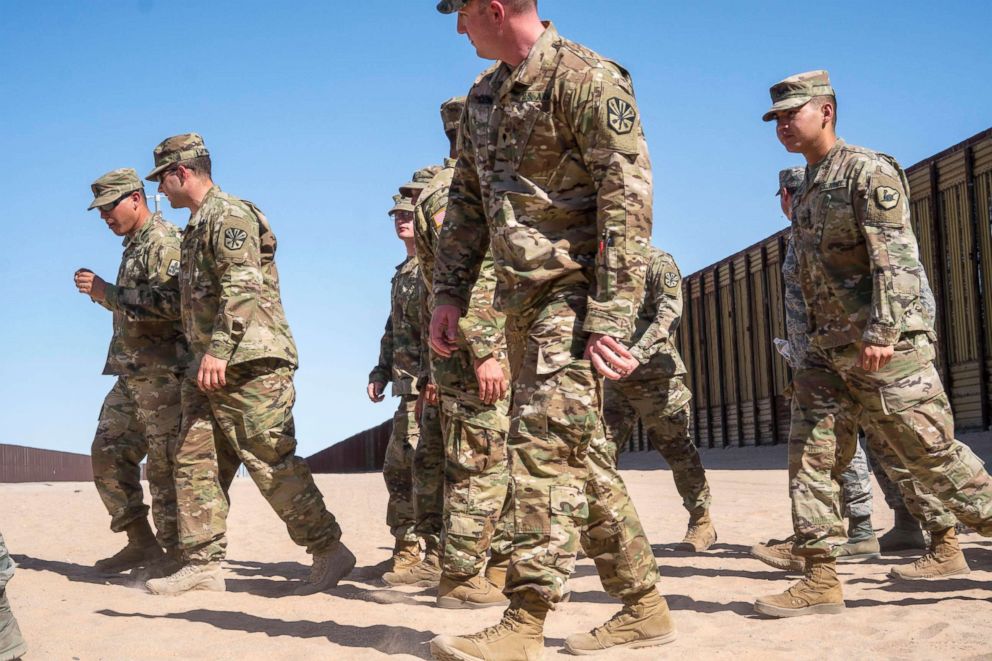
x=176, y=149
x=420, y=180
x=451, y=6
x=401, y=203
x=796, y=91
x=114, y=185
x=790, y=179
x=451, y=113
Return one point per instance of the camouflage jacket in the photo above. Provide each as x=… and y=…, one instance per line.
x=231, y=306
x=858, y=258
x=400, y=346
x=658, y=318
x=553, y=174
x=145, y=344
x=482, y=326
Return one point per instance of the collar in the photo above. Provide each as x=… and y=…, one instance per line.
x=540, y=61
x=818, y=172
x=214, y=190
x=138, y=237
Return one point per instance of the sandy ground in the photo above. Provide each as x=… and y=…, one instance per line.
x=56, y=531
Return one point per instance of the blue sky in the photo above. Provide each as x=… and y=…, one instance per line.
x=316, y=111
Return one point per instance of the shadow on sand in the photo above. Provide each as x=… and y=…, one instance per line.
x=385, y=639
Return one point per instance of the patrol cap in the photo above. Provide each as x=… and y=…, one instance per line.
x=790, y=179
x=419, y=182
x=114, y=185
x=176, y=149
x=451, y=113
x=401, y=203
x=451, y=6
x=796, y=91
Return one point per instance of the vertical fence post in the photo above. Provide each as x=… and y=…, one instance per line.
x=981, y=314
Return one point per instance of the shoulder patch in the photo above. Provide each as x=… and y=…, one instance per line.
x=886, y=197
x=620, y=115
x=672, y=281
x=173, y=269
x=234, y=238
x=438, y=219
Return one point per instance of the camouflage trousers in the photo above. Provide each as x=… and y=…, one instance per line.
x=6, y=565
x=397, y=470
x=477, y=508
x=562, y=467
x=901, y=491
x=477, y=514
x=140, y=416
x=663, y=406
x=904, y=408
x=428, y=476
x=249, y=421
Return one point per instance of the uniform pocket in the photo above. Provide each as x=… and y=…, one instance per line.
x=911, y=390
x=570, y=502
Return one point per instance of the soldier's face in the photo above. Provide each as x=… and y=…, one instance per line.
x=482, y=27
x=799, y=128
x=403, y=223
x=170, y=185
x=121, y=219
x=786, y=200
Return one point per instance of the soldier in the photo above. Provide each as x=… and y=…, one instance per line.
x=12, y=645
x=655, y=393
x=238, y=394
x=871, y=347
x=140, y=414
x=852, y=472
x=472, y=385
x=553, y=174
x=399, y=363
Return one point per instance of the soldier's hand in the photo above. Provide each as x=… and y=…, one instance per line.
x=444, y=329
x=89, y=283
x=609, y=357
x=375, y=390
x=874, y=357
x=492, y=380
x=212, y=374
x=431, y=395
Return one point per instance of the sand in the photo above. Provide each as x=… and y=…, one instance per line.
x=56, y=531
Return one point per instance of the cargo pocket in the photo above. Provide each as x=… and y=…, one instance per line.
x=472, y=449
x=911, y=390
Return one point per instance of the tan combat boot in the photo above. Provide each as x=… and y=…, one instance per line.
x=818, y=593
x=405, y=554
x=328, y=568
x=778, y=554
x=644, y=621
x=944, y=559
x=861, y=541
x=519, y=636
x=425, y=574
x=701, y=533
x=496, y=570
x=207, y=576
x=474, y=592
x=141, y=550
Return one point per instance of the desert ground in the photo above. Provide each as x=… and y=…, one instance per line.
x=67, y=611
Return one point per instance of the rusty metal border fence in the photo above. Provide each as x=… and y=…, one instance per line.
x=23, y=464
x=365, y=451
x=735, y=307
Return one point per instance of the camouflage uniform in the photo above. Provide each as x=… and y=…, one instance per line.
x=399, y=363
x=12, y=644
x=861, y=279
x=655, y=392
x=851, y=470
x=231, y=309
x=140, y=415
x=553, y=173
x=477, y=515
